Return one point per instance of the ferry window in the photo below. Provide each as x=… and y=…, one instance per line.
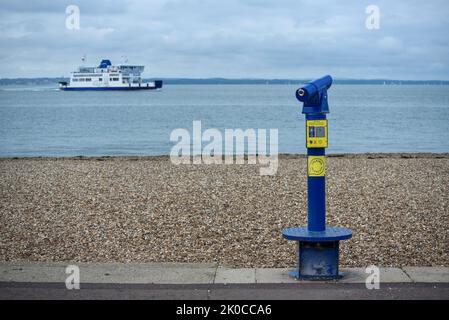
x=88, y=79
x=75, y=80
x=100, y=79
x=81, y=79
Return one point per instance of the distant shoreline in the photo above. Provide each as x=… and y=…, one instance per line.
x=223, y=81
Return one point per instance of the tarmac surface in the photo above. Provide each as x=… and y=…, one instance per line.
x=273, y=291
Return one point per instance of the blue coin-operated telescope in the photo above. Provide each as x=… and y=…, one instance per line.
x=318, y=244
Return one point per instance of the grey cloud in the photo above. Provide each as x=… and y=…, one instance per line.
x=246, y=38
x=57, y=6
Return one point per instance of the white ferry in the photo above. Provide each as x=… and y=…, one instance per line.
x=109, y=77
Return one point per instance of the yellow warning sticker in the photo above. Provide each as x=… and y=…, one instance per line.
x=316, y=166
x=316, y=133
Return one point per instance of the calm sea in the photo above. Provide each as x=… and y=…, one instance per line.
x=37, y=121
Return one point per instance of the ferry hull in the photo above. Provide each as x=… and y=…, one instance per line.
x=157, y=85
x=107, y=88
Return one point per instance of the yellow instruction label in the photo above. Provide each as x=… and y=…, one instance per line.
x=316, y=133
x=316, y=166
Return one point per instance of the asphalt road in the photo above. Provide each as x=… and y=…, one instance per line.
x=287, y=291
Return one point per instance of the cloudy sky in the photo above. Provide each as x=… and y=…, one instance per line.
x=232, y=38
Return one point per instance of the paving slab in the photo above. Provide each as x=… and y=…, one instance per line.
x=274, y=275
x=162, y=273
x=358, y=275
x=350, y=275
x=428, y=274
x=33, y=272
x=227, y=275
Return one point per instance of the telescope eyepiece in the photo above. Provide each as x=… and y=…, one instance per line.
x=311, y=90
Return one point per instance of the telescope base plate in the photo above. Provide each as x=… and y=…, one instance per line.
x=330, y=234
x=318, y=252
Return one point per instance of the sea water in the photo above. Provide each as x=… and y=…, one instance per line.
x=39, y=121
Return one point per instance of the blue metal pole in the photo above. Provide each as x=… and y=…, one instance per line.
x=316, y=190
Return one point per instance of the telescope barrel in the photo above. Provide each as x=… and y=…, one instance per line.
x=303, y=94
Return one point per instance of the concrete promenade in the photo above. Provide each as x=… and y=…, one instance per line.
x=39, y=280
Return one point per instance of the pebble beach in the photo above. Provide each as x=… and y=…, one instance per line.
x=146, y=209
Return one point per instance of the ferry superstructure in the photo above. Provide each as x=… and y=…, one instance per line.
x=109, y=77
